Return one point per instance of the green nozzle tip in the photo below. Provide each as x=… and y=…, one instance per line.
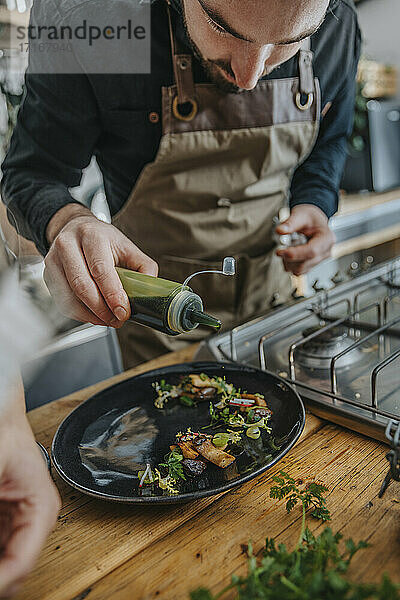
x=202, y=318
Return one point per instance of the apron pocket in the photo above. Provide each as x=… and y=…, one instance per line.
x=261, y=278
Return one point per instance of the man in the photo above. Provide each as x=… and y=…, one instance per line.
x=235, y=119
x=29, y=501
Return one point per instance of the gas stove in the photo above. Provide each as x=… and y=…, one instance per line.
x=340, y=349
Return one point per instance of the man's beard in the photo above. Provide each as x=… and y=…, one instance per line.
x=213, y=67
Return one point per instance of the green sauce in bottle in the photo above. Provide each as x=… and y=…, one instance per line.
x=164, y=305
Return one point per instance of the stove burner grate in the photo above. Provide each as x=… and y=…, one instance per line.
x=318, y=352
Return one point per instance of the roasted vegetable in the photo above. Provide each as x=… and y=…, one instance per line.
x=199, y=382
x=187, y=450
x=194, y=467
x=256, y=414
x=207, y=449
x=206, y=393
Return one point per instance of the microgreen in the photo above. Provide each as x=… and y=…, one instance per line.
x=174, y=464
x=186, y=400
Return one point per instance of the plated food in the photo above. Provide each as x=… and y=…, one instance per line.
x=219, y=425
x=234, y=413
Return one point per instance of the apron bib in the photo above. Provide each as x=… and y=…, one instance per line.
x=221, y=173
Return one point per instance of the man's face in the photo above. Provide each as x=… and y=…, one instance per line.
x=239, y=41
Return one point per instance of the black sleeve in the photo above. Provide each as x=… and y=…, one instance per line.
x=316, y=181
x=53, y=141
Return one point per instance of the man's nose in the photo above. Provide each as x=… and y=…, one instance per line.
x=248, y=64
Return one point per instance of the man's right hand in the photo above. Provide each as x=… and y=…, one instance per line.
x=80, y=266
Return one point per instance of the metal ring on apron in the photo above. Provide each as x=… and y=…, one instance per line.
x=308, y=103
x=178, y=115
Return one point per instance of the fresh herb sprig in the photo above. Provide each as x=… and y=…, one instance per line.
x=311, y=496
x=174, y=464
x=315, y=569
x=187, y=400
x=218, y=416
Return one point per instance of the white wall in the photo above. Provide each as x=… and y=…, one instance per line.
x=379, y=22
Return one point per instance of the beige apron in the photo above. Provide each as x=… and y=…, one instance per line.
x=222, y=172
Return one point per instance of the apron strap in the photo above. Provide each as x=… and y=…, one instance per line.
x=183, y=73
x=305, y=95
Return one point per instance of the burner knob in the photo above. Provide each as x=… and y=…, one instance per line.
x=368, y=262
x=353, y=269
x=275, y=301
x=317, y=287
x=337, y=278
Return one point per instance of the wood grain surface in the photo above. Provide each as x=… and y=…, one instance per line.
x=102, y=551
x=352, y=203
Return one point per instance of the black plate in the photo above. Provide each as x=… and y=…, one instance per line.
x=99, y=432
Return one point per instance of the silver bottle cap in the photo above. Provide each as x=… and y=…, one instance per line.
x=229, y=266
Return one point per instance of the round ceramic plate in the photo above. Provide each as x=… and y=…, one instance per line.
x=99, y=448
x=45, y=454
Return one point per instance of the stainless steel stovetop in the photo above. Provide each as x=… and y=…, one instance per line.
x=340, y=348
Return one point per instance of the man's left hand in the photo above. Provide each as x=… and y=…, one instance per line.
x=310, y=220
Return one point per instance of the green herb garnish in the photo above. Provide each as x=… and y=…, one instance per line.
x=314, y=570
x=186, y=400
x=310, y=497
x=229, y=437
x=215, y=414
x=174, y=464
x=164, y=386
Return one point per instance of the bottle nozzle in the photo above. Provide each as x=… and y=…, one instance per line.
x=202, y=318
x=229, y=266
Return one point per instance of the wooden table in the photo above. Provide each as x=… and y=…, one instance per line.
x=102, y=551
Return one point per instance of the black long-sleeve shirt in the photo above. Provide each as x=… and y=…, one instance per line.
x=65, y=119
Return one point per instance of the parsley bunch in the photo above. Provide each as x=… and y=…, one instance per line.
x=314, y=570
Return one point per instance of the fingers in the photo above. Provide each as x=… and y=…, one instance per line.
x=33, y=525
x=101, y=265
x=300, y=259
x=296, y=222
x=80, y=280
x=67, y=302
x=312, y=221
x=303, y=267
x=318, y=246
x=131, y=257
x=303, y=218
x=80, y=271
x=31, y=519
x=29, y=504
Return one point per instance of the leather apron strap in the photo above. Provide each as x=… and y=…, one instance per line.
x=305, y=95
x=185, y=106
